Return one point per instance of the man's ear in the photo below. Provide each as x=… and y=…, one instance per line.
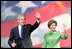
x=17, y=20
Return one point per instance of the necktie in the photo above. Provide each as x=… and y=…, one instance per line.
x=21, y=31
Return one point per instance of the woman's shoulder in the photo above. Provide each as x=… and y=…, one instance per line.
x=58, y=32
x=46, y=34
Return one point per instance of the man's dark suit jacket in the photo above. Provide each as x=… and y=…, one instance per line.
x=25, y=42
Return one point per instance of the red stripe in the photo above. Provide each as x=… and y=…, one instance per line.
x=6, y=27
x=47, y=12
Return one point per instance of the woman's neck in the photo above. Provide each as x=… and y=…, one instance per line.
x=53, y=30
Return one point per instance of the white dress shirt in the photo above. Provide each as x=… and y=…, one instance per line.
x=19, y=28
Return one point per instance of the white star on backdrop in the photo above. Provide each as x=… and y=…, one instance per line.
x=8, y=12
x=25, y=4
x=4, y=2
x=43, y=2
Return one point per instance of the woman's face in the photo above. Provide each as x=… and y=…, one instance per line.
x=52, y=27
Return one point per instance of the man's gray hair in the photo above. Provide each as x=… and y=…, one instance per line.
x=21, y=16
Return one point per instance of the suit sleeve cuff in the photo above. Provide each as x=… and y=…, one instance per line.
x=38, y=21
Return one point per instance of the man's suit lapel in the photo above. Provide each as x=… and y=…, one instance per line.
x=17, y=31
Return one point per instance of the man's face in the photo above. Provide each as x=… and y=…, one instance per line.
x=22, y=20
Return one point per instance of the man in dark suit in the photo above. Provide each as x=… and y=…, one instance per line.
x=20, y=35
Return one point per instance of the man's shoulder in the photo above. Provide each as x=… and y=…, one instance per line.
x=14, y=28
x=28, y=25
